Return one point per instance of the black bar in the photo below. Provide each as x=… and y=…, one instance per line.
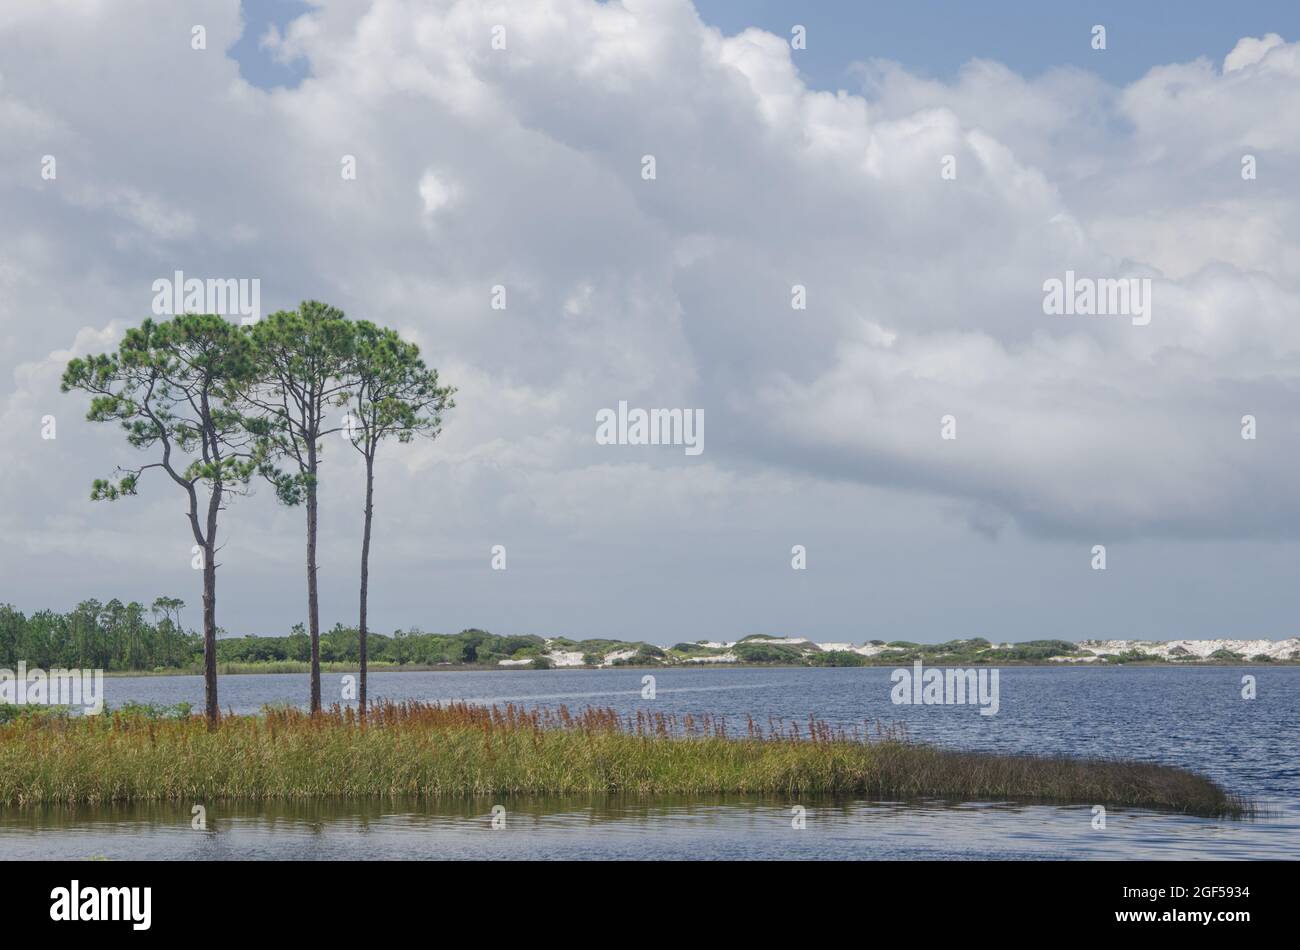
x=975, y=899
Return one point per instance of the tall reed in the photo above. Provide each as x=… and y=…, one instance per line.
x=421, y=749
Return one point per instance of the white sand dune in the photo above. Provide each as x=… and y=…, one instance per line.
x=1092, y=650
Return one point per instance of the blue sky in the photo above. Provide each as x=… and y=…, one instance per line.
x=936, y=37
x=932, y=37
x=255, y=64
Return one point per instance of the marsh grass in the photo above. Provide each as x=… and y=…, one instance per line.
x=432, y=750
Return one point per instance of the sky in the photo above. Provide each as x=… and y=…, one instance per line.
x=922, y=171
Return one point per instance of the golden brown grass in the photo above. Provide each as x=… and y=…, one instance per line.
x=459, y=750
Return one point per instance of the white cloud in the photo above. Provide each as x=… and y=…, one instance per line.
x=1249, y=51
x=924, y=294
x=435, y=193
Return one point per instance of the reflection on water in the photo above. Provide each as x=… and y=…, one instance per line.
x=629, y=828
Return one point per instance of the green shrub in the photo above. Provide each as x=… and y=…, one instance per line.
x=838, y=658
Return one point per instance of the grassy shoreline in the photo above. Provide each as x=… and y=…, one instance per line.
x=458, y=750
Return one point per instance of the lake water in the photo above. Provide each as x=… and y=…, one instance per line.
x=1193, y=717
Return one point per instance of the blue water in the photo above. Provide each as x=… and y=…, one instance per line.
x=1195, y=717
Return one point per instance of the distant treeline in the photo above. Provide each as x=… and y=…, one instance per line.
x=343, y=645
x=132, y=637
x=111, y=636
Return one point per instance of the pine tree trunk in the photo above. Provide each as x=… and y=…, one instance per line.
x=365, y=573
x=210, y=706
x=313, y=603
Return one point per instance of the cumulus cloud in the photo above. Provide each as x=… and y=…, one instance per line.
x=521, y=167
